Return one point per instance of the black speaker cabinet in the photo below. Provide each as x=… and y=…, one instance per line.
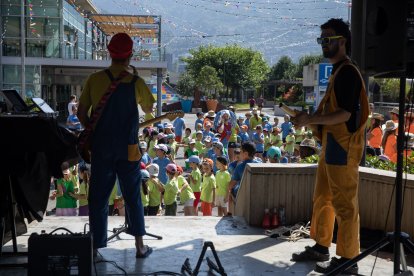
x=60, y=254
x=379, y=32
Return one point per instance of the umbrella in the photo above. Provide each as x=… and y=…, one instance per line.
x=233, y=118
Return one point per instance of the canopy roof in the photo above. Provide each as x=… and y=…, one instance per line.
x=86, y=5
x=145, y=26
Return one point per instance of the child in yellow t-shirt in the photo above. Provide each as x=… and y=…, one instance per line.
x=186, y=193
x=208, y=188
x=171, y=191
x=155, y=188
x=195, y=179
x=223, y=179
x=199, y=145
x=82, y=195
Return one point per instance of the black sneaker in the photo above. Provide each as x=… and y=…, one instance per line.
x=327, y=267
x=310, y=254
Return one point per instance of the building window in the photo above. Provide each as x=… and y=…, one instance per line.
x=12, y=79
x=11, y=47
x=11, y=26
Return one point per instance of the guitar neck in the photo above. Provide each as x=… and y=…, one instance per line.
x=151, y=121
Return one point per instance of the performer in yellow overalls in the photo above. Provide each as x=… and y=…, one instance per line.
x=341, y=120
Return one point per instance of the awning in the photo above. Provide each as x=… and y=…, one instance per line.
x=144, y=26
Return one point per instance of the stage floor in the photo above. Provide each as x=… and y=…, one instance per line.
x=243, y=250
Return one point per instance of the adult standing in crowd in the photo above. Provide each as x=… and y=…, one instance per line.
x=179, y=127
x=115, y=150
x=252, y=102
x=72, y=102
x=341, y=117
x=374, y=135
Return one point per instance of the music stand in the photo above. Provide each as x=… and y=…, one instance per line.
x=14, y=101
x=124, y=227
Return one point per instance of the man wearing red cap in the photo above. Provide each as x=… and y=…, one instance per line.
x=115, y=150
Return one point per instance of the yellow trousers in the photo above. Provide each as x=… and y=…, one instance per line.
x=336, y=194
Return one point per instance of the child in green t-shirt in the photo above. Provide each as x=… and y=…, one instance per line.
x=186, y=193
x=82, y=195
x=199, y=145
x=65, y=196
x=155, y=188
x=208, y=188
x=171, y=191
x=290, y=142
x=223, y=179
x=191, y=151
x=195, y=180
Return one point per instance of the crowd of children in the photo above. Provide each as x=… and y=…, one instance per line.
x=215, y=152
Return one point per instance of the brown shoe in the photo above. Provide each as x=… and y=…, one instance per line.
x=310, y=254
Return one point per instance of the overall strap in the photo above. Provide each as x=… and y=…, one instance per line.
x=110, y=76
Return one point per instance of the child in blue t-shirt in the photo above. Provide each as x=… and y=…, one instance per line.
x=258, y=140
x=244, y=136
x=162, y=161
x=286, y=126
x=200, y=119
x=146, y=159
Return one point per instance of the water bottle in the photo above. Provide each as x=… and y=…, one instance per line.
x=275, y=219
x=266, y=220
x=282, y=215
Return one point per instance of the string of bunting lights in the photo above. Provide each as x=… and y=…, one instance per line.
x=171, y=27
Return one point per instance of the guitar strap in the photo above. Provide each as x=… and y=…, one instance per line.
x=97, y=112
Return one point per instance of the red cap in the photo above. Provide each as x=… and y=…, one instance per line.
x=120, y=46
x=142, y=166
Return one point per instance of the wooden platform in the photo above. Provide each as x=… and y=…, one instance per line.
x=242, y=249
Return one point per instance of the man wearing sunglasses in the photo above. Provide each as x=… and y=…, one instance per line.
x=340, y=120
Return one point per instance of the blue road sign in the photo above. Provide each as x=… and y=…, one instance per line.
x=325, y=70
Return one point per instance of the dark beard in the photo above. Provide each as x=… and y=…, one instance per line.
x=332, y=52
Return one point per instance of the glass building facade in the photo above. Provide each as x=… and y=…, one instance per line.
x=53, y=29
x=55, y=34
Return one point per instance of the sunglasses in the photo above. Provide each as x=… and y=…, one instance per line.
x=328, y=39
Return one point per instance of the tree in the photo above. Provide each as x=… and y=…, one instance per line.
x=284, y=69
x=236, y=67
x=306, y=60
x=186, y=85
x=208, y=80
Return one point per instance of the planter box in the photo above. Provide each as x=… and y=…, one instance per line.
x=291, y=185
x=279, y=112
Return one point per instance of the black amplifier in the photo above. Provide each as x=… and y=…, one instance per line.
x=60, y=254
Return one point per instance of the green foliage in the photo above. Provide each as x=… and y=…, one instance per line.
x=389, y=88
x=314, y=159
x=236, y=67
x=373, y=162
x=283, y=69
x=306, y=60
x=208, y=80
x=376, y=163
x=186, y=85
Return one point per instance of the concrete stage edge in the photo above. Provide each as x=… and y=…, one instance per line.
x=242, y=249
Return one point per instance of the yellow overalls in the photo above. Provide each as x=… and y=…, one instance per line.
x=336, y=189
